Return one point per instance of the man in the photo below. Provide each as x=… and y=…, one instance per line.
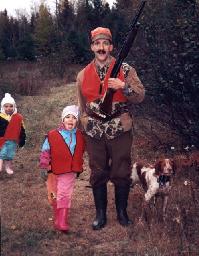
x=108, y=138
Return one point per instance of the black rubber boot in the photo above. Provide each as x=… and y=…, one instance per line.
x=100, y=198
x=121, y=202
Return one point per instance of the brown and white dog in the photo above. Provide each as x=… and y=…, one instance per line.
x=155, y=180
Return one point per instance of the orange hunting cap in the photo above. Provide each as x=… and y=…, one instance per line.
x=101, y=33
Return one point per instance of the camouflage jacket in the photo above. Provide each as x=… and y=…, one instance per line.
x=134, y=92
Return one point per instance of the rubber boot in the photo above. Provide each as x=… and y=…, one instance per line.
x=121, y=201
x=100, y=199
x=8, y=167
x=1, y=164
x=62, y=219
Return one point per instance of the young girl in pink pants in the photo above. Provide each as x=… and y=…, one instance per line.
x=62, y=159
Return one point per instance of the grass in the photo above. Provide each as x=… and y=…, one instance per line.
x=27, y=226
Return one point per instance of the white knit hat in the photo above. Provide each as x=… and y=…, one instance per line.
x=70, y=110
x=8, y=99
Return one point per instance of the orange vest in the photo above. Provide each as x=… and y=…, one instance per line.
x=91, y=84
x=13, y=129
x=62, y=161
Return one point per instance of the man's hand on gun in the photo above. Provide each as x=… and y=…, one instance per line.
x=115, y=83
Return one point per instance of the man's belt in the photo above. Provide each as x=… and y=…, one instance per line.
x=106, y=118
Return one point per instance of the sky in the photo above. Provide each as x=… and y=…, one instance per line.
x=12, y=5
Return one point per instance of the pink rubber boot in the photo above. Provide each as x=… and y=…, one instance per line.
x=8, y=167
x=62, y=223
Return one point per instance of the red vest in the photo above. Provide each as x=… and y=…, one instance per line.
x=91, y=84
x=13, y=129
x=62, y=161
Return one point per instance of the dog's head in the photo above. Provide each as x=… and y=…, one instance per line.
x=165, y=167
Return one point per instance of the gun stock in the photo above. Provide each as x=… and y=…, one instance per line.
x=106, y=105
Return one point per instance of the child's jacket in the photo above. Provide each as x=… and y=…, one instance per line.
x=12, y=129
x=62, y=151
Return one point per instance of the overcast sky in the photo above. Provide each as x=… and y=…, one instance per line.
x=12, y=5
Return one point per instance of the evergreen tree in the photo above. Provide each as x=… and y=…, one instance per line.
x=6, y=36
x=122, y=13
x=3, y=43
x=66, y=16
x=25, y=44
x=44, y=34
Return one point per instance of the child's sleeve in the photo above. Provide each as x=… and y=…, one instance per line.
x=44, y=160
x=22, y=137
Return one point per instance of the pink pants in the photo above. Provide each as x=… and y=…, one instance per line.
x=65, y=186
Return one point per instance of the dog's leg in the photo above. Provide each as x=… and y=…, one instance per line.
x=151, y=192
x=155, y=205
x=143, y=216
x=154, y=200
x=164, y=208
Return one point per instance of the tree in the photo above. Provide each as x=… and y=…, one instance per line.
x=172, y=41
x=24, y=45
x=6, y=36
x=65, y=16
x=44, y=35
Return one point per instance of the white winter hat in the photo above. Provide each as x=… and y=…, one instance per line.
x=70, y=110
x=8, y=99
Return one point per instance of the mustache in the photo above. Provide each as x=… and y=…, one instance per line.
x=101, y=52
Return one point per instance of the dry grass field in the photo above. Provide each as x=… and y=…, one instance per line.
x=26, y=217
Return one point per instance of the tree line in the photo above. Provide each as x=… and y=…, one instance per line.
x=165, y=53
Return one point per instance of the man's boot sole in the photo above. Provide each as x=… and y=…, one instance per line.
x=98, y=227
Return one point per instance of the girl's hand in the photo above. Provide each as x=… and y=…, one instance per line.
x=44, y=175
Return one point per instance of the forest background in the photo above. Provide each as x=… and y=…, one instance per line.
x=40, y=56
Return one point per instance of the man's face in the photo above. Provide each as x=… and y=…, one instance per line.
x=102, y=49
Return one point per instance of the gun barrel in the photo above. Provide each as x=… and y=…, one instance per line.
x=137, y=16
x=130, y=37
x=106, y=105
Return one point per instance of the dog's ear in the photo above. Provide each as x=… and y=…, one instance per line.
x=158, y=167
x=174, y=166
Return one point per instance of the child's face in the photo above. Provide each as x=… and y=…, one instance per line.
x=8, y=108
x=70, y=122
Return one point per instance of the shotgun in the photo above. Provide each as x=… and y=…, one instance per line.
x=106, y=104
